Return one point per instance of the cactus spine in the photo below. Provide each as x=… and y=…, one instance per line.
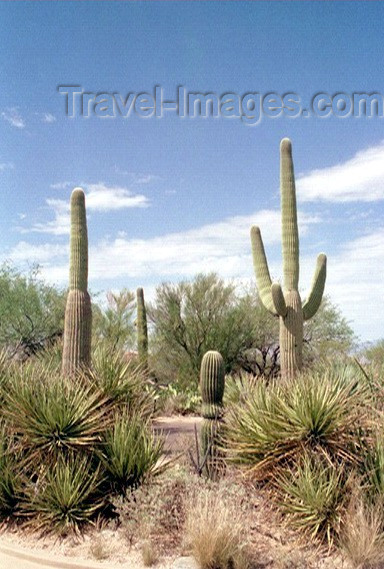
x=78, y=313
x=286, y=303
x=212, y=390
x=142, y=330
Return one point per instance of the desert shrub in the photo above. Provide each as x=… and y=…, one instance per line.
x=313, y=495
x=52, y=414
x=10, y=473
x=362, y=535
x=215, y=531
x=66, y=495
x=239, y=388
x=315, y=413
x=129, y=452
x=121, y=382
x=175, y=399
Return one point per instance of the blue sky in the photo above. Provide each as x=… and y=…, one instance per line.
x=170, y=197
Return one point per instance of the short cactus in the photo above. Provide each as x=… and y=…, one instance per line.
x=142, y=330
x=212, y=384
x=286, y=303
x=78, y=312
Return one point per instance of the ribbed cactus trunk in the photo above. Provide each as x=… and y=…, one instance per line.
x=286, y=303
x=78, y=312
x=212, y=384
x=142, y=329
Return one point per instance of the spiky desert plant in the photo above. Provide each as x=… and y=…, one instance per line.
x=212, y=384
x=66, y=496
x=142, y=330
x=286, y=302
x=316, y=414
x=78, y=312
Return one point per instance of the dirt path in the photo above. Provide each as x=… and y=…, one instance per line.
x=179, y=432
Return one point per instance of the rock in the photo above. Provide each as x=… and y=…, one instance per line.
x=185, y=563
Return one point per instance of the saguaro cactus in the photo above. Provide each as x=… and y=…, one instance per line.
x=78, y=312
x=286, y=303
x=142, y=330
x=212, y=390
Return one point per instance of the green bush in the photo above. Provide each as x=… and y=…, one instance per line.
x=318, y=413
x=66, y=496
x=122, y=382
x=10, y=473
x=129, y=452
x=313, y=496
x=52, y=414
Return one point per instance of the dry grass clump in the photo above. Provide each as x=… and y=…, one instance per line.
x=362, y=535
x=149, y=553
x=216, y=529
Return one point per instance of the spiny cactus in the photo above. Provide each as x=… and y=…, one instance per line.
x=78, y=312
x=142, y=330
x=286, y=303
x=212, y=389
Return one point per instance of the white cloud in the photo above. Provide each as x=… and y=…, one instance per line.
x=359, y=179
x=223, y=247
x=14, y=117
x=99, y=197
x=6, y=166
x=48, y=118
x=62, y=185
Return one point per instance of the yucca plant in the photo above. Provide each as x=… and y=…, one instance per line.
x=311, y=413
x=130, y=453
x=10, y=473
x=66, y=496
x=54, y=415
x=123, y=383
x=373, y=470
x=313, y=496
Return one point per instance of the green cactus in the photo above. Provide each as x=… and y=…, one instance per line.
x=286, y=303
x=142, y=330
x=212, y=384
x=78, y=312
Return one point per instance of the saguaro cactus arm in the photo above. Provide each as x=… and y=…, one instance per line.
x=313, y=301
x=278, y=299
x=290, y=233
x=263, y=279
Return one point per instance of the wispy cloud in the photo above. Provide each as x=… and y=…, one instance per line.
x=359, y=179
x=6, y=166
x=99, y=198
x=13, y=116
x=48, y=118
x=223, y=247
x=62, y=185
x=137, y=177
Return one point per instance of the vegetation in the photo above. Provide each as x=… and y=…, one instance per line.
x=78, y=312
x=287, y=303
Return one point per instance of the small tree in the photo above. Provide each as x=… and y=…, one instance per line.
x=31, y=311
x=114, y=325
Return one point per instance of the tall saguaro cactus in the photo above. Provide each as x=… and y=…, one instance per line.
x=142, y=330
x=212, y=385
x=78, y=312
x=286, y=302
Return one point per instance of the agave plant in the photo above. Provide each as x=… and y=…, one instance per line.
x=10, y=473
x=312, y=413
x=130, y=453
x=121, y=382
x=66, y=496
x=313, y=496
x=54, y=415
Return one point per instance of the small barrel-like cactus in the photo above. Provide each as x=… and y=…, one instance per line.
x=78, y=312
x=212, y=382
x=142, y=329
